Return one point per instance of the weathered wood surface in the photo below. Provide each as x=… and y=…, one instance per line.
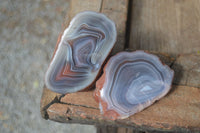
x=178, y=111
x=164, y=26
x=114, y=129
x=169, y=26
x=187, y=70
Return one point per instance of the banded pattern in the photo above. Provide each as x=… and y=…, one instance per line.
x=133, y=81
x=84, y=46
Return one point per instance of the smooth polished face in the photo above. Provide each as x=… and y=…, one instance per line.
x=84, y=46
x=133, y=81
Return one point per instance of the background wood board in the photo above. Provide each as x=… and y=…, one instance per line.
x=169, y=26
x=77, y=6
x=187, y=70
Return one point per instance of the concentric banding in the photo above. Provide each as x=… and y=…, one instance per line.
x=84, y=46
x=134, y=81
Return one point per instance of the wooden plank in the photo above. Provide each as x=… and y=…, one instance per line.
x=117, y=11
x=121, y=130
x=80, y=98
x=77, y=6
x=111, y=129
x=106, y=129
x=115, y=129
x=48, y=98
x=187, y=70
x=73, y=113
x=170, y=26
x=130, y=130
x=178, y=111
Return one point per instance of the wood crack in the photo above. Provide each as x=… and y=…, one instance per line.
x=101, y=6
x=79, y=105
x=44, y=109
x=172, y=64
x=128, y=25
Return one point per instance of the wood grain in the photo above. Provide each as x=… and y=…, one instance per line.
x=170, y=26
x=187, y=70
x=177, y=111
x=77, y=6
x=115, y=129
x=117, y=10
x=121, y=130
x=80, y=98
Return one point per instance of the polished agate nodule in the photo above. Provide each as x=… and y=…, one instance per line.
x=82, y=49
x=131, y=82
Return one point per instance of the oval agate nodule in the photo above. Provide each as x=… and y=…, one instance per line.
x=131, y=82
x=80, y=53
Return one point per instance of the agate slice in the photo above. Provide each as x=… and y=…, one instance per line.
x=80, y=53
x=131, y=82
